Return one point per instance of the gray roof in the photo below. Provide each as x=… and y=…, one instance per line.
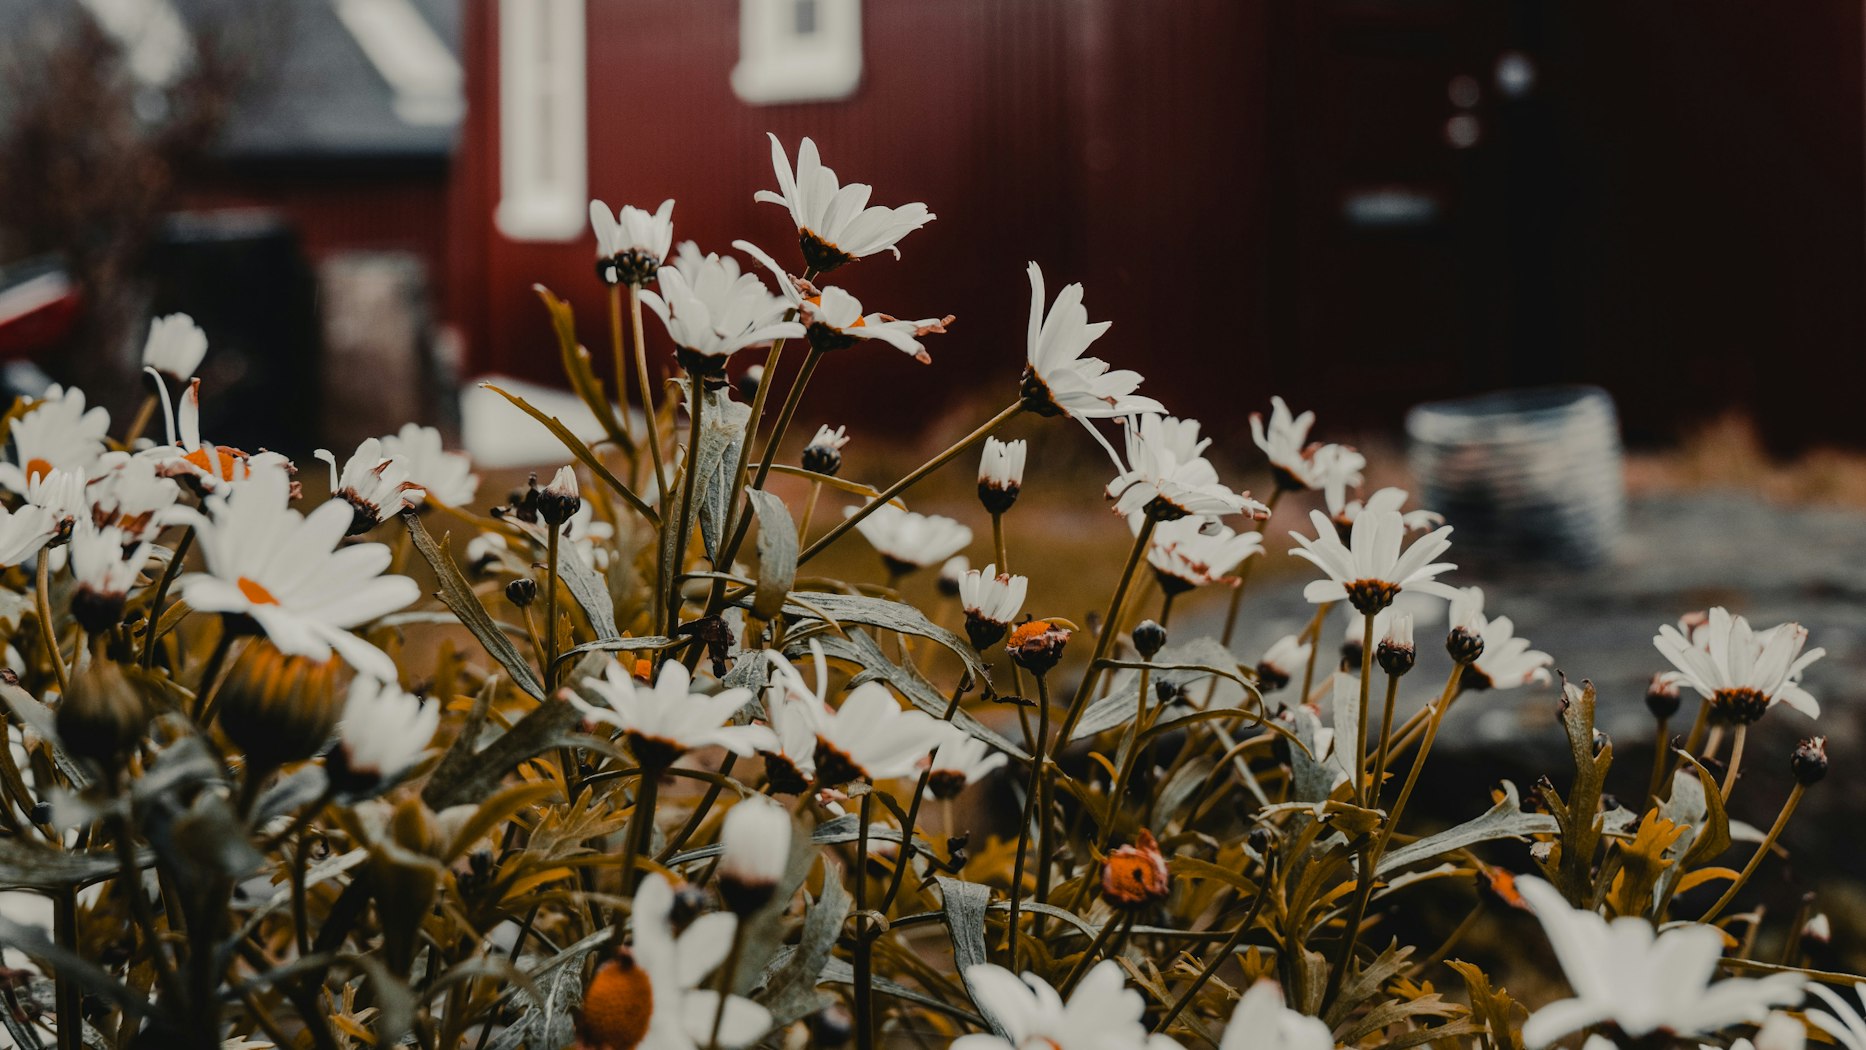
x=319, y=94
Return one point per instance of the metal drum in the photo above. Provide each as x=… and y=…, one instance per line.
x=1525, y=475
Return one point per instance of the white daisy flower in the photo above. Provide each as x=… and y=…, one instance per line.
x=833, y=319
x=1507, y=662
x=1285, y=442
x=384, y=731
x=871, y=738
x=1370, y=570
x=1168, y=477
x=1640, y=981
x=1101, y=1014
x=375, y=485
x=713, y=311
x=1741, y=671
x=209, y=467
x=907, y=541
x=754, y=850
x=1001, y=473
x=962, y=760
x=1058, y=380
x=130, y=495
x=1262, y=1022
x=1783, y=1032
x=57, y=433
x=1345, y=510
x=1840, y=1020
x=287, y=572
x=105, y=563
x=1184, y=556
x=669, y=718
x=793, y=708
x=632, y=243
x=62, y=493
x=447, y=477
x=652, y=995
x=1334, y=469
x=835, y=225
x=991, y=600
x=1283, y=661
x=175, y=347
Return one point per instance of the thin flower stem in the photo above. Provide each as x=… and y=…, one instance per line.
x=1001, y=553
x=913, y=814
x=48, y=633
x=1314, y=634
x=1736, y=760
x=144, y=917
x=1762, y=850
x=739, y=522
x=1110, y=627
x=1370, y=859
x=1218, y=959
x=550, y=609
x=1043, y=803
x=998, y=548
x=1237, y=593
x=650, y=418
x=986, y=430
x=1660, y=752
x=1038, y=757
x=1386, y=738
x=203, y=689
x=809, y=511
x=863, y=963
x=1117, y=793
x=1166, y=606
x=68, y=996
x=1360, y=726
x=640, y=827
x=621, y=362
x=143, y=415
x=162, y=587
x=1115, y=923
x=688, y=484
x=699, y=812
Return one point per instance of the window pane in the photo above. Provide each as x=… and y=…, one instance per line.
x=805, y=20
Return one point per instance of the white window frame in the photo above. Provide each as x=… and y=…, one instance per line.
x=777, y=64
x=543, y=121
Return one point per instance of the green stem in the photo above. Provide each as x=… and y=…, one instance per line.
x=169, y=573
x=989, y=427
x=1031, y=794
x=1659, y=752
x=689, y=483
x=1043, y=803
x=48, y=633
x=1117, y=793
x=1762, y=850
x=1108, y=929
x=1386, y=739
x=650, y=417
x=1237, y=593
x=640, y=827
x=621, y=361
x=809, y=511
x=1111, y=626
x=1736, y=760
x=863, y=963
x=1211, y=968
x=1360, y=726
x=68, y=996
x=550, y=609
x=728, y=973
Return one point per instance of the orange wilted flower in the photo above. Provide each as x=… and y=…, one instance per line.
x=1037, y=645
x=1135, y=876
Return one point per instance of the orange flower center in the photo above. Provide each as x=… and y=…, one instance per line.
x=255, y=592
x=221, y=462
x=37, y=468
x=616, y=1006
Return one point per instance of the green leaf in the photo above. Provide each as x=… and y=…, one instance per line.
x=24, y=866
x=458, y=594
x=722, y=432
x=1505, y=820
x=858, y=648
x=964, y=905
x=790, y=985
x=587, y=586
x=536, y=732
x=1179, y=666
x=829, y=481
x=777, y=553
x=887, y=615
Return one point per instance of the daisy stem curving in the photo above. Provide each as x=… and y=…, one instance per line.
x=621, y=362
x=48, y=631
x=989, y=427
x=640, y=832
x=1736, y=760
x=1386, y=741
x=1237, y=593
x=863, y=962
x=1762, y=850
x=688, y=484
x=1360, y=725
x=650, y=419
x=550, y=611
x=1110, y=627
x=169, y=573
x=1370, y=858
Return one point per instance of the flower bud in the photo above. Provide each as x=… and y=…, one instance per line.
x=1816, y=934
x=823, y=455
x=749, y=382
x=952, y=577
x=831, y=1027
x=1135, y=876
x=754, y=842
x=1037, y=645
x=991, y=601
x=617, y=1004
x=384, y=731
x=278, y=708
x=1395, y=654
x=1464, y=645
x=558, y=502
x=522, y=592
x=1149, y=638
x=1809, y=761
x=1001, y=474
x=102, y=716
x=1662, y=697
x=1281, y=663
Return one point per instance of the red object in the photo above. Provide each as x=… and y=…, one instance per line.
x=37, y=314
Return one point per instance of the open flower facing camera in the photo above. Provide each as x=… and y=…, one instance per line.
x=624, y=761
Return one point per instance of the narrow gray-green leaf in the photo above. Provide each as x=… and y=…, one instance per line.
x=879, y=612
x=790, y=990
x=536, y=732
x=586, y=585
x=458, y=594
x=777, y=553
x=858, y=648
x=1505, y=820
x=964, y=905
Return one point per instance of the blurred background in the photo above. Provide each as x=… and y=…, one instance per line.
x=1637, y=233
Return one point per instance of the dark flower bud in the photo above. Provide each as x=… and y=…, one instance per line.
x=832, y=1026
x=1809, y=761
x=823, y=455
x=1149, y=638
x=1464, y=645
x=1395, y=659
x=102, y=716
x=1662, y=697
x=750, y=380
x=522, y=591
x=558, y=502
